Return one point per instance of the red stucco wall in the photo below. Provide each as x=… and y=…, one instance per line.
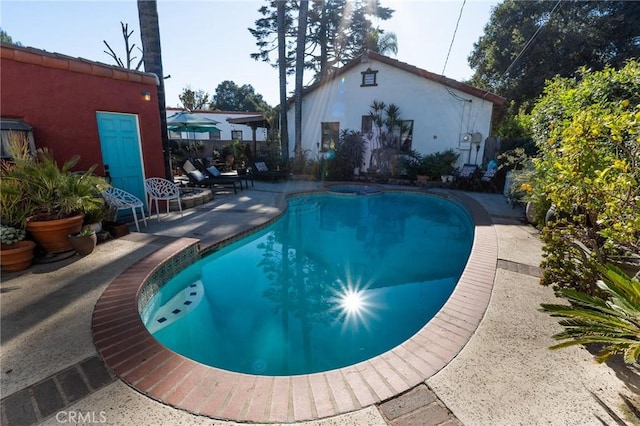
x=61, y=106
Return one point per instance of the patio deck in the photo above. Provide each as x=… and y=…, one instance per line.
x=504, y=374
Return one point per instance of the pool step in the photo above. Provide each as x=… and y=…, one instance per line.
x=180, y=305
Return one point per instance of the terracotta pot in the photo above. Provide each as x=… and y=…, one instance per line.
x=53, y=235
x=83, y=244
x=17, y=257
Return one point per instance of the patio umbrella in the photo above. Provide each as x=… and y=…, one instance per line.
x=181, y=121
x=188, y=122
x=195, y=128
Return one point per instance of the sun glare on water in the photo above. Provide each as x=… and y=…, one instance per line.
x=354, y=306
x=352, y=301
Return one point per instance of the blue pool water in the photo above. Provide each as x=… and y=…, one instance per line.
x=336, y=280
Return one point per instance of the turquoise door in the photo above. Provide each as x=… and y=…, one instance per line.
x=122, y=152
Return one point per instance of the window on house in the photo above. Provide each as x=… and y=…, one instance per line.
x=367, y=125
x=330, y=135
x=369, y=77
x=236, y=135
x=214, y=136
x=174, y=135
x=406, y=136
x=401, y=136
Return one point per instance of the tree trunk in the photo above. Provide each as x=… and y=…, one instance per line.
x=282, y=68
x=152, y=56
x=323, y=42
x=302, y=33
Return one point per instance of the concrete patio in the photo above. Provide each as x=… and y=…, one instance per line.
x=505, y=374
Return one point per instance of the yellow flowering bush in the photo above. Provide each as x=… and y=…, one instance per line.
x=588, y=132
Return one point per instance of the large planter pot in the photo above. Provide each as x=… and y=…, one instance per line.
x=53, y=235
x=83, y=244
x=17, y=257
x=530, y=212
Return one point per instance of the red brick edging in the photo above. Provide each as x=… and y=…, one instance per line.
x=130, y=351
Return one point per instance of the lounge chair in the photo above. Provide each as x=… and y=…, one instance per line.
x=198, y=178
x=488, y=181
x=260, y=171
x=213, y=171
x=466, y=177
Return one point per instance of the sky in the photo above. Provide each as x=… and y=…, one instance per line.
x=206, y=42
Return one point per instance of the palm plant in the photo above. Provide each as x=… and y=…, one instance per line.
x=612, y=320
x=37, y=186
x=53, y=192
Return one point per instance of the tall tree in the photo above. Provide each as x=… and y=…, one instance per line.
x=282, y=72
x=6, y=38
x=194, y=100
x=354, y=34
x=526, y=43
x=382, y=42
x=266, y=32
x=338, y=31
x=152, y=57
x=302, y=32
x=231, y=97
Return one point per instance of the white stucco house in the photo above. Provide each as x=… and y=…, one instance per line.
x=439, y=113
x=228, y=125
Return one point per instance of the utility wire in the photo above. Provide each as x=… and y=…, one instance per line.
x=454, y=37
x=531, y=39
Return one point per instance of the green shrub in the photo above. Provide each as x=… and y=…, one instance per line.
x=434, y=165
x=349, y=153
x=588, y=133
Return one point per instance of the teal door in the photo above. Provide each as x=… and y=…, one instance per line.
x=122, y=152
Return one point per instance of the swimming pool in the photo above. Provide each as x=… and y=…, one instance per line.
x=140, y=361
x=336, y=280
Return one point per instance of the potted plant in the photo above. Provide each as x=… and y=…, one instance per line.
x=442, y=164
x=228, y=155
x=94, y=217
x=53, y=199
x=16, y=253
x=84, y=241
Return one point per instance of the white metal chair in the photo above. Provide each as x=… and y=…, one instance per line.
x=161, y=189
x=123, y=200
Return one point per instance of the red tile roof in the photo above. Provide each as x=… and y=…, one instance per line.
x=454, y=84
x=46, y=59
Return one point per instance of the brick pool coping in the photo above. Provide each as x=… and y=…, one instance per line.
x=134, y=356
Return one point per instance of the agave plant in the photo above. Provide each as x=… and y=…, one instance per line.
x=612, y=320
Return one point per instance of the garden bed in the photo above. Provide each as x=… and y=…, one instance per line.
x=191, y=197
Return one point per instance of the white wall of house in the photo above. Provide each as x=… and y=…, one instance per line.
x=440, y=114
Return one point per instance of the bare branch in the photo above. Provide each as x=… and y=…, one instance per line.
x=112, y=54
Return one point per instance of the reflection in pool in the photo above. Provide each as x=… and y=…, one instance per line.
x=335, y=281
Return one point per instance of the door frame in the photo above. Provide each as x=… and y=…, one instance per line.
x=140, y=153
